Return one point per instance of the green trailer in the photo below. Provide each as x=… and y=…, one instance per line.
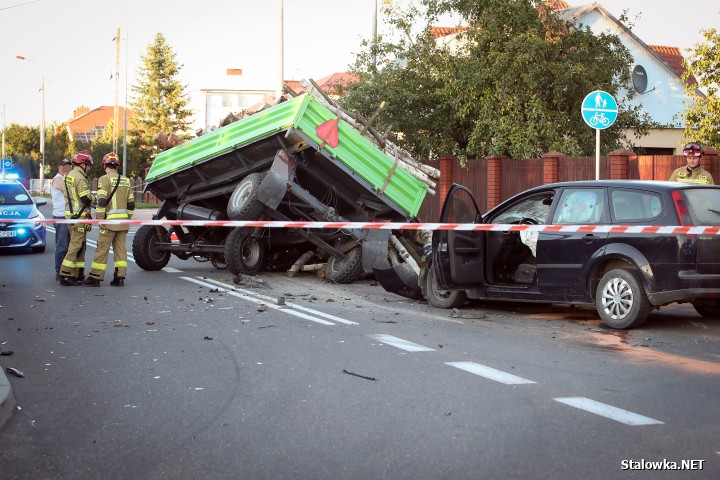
x=297, y=160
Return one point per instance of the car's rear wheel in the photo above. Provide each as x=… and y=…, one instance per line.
x=708, y=308
x=442, y=298
x=620, y=299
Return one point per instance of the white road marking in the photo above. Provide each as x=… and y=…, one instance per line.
x=253, y=299
x=171, y=270
x=490, y=373
x=268, y=298
x=400, y=343
x=613, y=413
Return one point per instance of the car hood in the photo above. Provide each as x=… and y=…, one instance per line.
x=18, y=212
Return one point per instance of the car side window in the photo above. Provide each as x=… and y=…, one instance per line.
x=535, y=209
x=635, y=205
x=579, y=206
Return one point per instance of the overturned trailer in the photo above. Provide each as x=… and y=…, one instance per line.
x=296, y=161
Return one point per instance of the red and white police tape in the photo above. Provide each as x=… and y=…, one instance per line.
x=648, y=229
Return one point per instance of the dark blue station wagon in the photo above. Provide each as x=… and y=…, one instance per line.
x=624, y=275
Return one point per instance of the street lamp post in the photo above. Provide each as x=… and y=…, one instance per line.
x=42, y=130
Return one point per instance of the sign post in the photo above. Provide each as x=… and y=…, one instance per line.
x=599, y=110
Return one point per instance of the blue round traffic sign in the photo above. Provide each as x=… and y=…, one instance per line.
x=599, y=109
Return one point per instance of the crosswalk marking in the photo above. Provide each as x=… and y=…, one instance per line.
x=490, y=373
x=608, y=411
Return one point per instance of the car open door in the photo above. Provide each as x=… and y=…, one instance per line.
x=458, y=256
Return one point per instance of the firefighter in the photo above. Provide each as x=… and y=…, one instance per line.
x=78, y=202
x=692, y=172
x=115, y=201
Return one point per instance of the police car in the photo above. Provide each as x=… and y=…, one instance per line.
x=17, y=204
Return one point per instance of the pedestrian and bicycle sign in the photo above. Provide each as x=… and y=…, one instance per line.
x=599, y=109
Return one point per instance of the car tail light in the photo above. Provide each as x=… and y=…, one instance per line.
x=682, y=209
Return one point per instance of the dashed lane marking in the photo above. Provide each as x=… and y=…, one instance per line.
x=608, y=411
x=490, y=373
x=401, y=344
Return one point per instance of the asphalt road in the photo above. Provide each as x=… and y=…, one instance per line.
x=183, y=374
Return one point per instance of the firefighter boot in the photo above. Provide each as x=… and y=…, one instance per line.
x=91, y=282
x=117, y=281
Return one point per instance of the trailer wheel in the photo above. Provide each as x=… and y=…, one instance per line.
x=244, y=253
x=243, y=204
x=145, y=249
x=346, y=269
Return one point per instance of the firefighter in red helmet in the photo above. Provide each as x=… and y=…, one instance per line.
x=78, y=202
x=115, y=201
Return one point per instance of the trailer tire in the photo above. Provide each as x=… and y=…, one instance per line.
x=346, y=269
x=243, y=203
x=147, y=255
x=243, y=252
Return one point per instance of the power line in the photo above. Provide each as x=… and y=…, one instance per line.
x=20, y=5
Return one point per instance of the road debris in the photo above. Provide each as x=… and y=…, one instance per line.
x=249, y=281
x=262, y=307
x=207, y=338
x=15, y=372
x=358, y=375
x=266, y=326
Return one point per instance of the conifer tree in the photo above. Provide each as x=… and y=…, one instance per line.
x=159, y=103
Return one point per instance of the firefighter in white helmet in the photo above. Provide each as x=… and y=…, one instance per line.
x=78, y=202
x=115, y=201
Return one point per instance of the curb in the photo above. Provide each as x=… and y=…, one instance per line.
x=7, y=399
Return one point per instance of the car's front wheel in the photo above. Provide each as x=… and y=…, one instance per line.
x=442, y=298
x=620, y=299
x=708, y=308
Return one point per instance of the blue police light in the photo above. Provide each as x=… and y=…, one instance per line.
x=21, y=231
x=10, y=176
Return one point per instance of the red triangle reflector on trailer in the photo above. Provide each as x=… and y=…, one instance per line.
x=328, y=133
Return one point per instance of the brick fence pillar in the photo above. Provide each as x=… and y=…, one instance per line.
x=709, y=161
x=447, y=175
x=494, y=181
x=550, y=167
x=619, y=164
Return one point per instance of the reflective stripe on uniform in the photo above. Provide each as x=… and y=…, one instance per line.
x=70, y=264
x=99, y=266
x=121, y=263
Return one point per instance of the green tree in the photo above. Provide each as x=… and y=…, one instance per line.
x=512, y=84
x=702, y=118
x=160, y=103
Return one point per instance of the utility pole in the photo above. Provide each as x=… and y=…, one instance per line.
x=42, y=139
x=282, y=52
x=117, y=86
x=3, y=144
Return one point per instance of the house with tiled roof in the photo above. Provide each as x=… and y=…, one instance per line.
x=87, y=123
x=656, y=72
x=656, y=77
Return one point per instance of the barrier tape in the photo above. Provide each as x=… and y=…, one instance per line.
x=690, y=230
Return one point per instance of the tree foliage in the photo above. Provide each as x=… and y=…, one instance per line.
x=160, y=102
x=702, y=118
x=22, y=144
x=512, y=84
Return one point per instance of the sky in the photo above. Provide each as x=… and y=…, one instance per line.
x=69, y=44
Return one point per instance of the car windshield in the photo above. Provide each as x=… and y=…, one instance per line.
x=14, y=194
x=704, y=205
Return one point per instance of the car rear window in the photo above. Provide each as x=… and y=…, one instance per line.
x=635, y=205
x=703, y=205
x=14, y=194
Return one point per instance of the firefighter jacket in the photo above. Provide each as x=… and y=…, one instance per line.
x=78, y=199
x=688, y=175
x=115, y=200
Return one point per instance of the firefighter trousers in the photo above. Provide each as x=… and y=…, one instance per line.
x=106, y=239
x=74, y=263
